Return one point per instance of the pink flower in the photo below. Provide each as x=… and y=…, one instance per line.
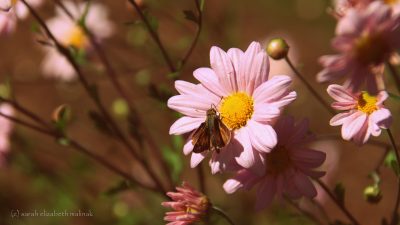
x=13, y=10
x=287, y=166
x=365, y=40
x=71, y=34
x=237, y=85
x=365, y=114
x=341, y=7
x=189, y=206
x=5, y=130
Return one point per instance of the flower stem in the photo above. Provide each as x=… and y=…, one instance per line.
x=309, y=87
x=342, y=207
x=395, y=75
x=221, y=213
x=396, y=205
x=306, y=213
x=154, y=35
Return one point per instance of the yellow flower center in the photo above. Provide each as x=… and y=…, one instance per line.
x=371, y=49
x=76, y=38
x=236, y=110
x=278, y=160
x=391, y=2
x=367, y=103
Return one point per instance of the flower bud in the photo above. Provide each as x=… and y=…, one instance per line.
x=61, y=114
x=372, y=194
x=278, y=48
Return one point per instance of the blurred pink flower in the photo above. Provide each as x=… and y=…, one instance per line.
x=13, y=10
x=237, y=84
x=5, y=129
x=287, y=166
x=341, y=7
x=365, y=40
x=365, y=114
x=189, y=206
x=71, y=34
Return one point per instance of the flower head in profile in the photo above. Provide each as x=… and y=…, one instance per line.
x=365, y=39
x=189, y=206
x=365, y=114
x=13, y=10
x=237, y=85
x=341, y=7
x=287, y=167
x=71, y=34
x=5, y=130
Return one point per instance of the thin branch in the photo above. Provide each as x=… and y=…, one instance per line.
x=309, y=87
x=396, y=205
x=154, y=35
x=65, y=52
x=223, y=215
x=342, y=207
x=306, y=213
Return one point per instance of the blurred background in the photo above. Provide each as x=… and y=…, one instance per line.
x=39, y=174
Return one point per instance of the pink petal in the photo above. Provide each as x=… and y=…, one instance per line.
x=222, y=65
x=236, y=56
x=197, y=158
x=343, y=105
x=340, y=118
x=185, y=124
x=254, y=67
x=304, y=185
x=225, y=160
x=272, y=90
x=382, y=117
x=353, y=125
x=341, y=94
x=209, y=80
x=285, y=100
x=265, y=193
x=308, y=157
x=189, y=106
x=298, y=132
x=262, y=137
x=185, y=88
x=382, y=96
x=351, y=24
x=243, y=179
x=264, y=112
x=188, y=147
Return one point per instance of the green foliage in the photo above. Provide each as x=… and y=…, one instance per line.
x=137, y=35
x=143, y=77
x=391, y=162
x=119, y=187
x=120, y=107
x=339, y=192
x=5, y=90
x=173, y=156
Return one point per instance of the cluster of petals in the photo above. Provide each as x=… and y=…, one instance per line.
x=365, y=39
x=188, y=204
x=242, y=76
x=69, y=32
x=288, y=166
x=6, y=127
x=364, y=115
x=13, y=10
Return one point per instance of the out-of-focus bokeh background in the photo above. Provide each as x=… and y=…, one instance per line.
x=42, y=175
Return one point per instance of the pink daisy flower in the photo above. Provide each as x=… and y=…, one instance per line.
x=13, y=10
x=189, y=206
x=365, y=114
x=365, y=40
x=71, y=34
x=287, y=166
x=5, y=130
x=237, y=85
x=341, y=7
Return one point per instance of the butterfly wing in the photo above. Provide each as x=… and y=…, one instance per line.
x=201, y=139
x=221, y=135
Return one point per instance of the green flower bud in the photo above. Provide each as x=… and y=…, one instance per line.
x=372, y=194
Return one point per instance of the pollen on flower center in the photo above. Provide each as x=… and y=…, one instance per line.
x=14, y=2
x=367, y=103
x=236, y=110
x=278, y=160
x=76, y=38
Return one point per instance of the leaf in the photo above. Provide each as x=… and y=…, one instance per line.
x=100, y=123
x=177, y=142
x=153, y=22
x=391, y=162
x=339, y=192
x=202, y=5
x=61, y=116
x=119, y=187
x=189, y=15
x=395, y=97
x=174, y=161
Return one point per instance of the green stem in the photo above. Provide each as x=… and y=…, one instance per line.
x=309, y=87
x=221, y=213
x=396, y=205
